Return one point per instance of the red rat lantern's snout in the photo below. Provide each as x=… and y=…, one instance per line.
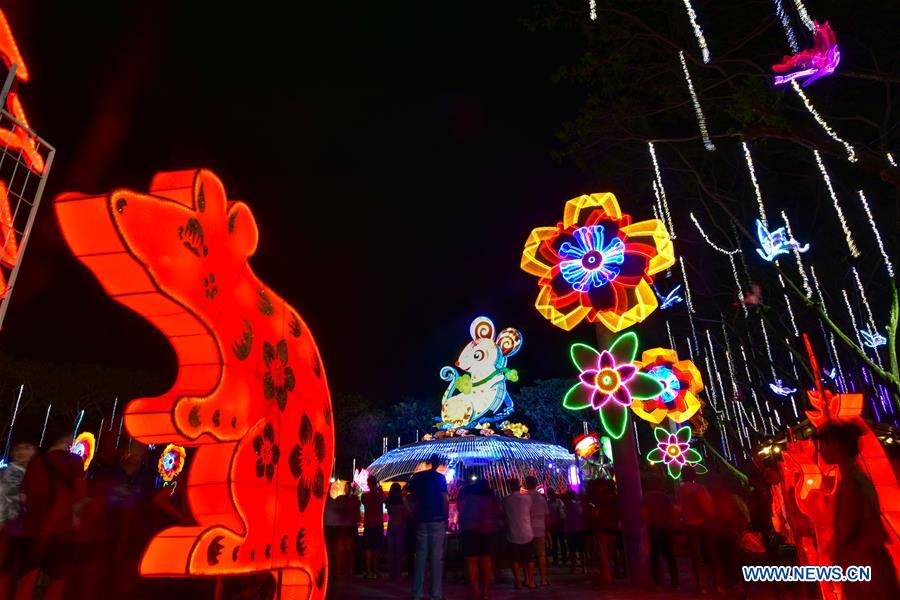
x=250, y=393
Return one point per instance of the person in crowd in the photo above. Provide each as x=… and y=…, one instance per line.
x=11, y=482
x=540, y=517
x=347, y=518
x=373, y=526
x=10, y=508
x=659, y=519
x=557, y=520
x=398, y=516
x=859, y=535
x=430, y=505
x=698, y=513
x=53, y=491
x=732, y=521
x=331, y=522
x=519, y=533
x=574, y=526
x=605, y=523
x=479, y=515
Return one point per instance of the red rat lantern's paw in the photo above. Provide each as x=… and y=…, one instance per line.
x=250, y=394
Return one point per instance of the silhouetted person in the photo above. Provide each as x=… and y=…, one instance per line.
x=373, y=526
x=519, y=534
x=575, y=529
x=557, y=525
x=659, y=518
x=540, y=519
x=859, y=536
x=11, y=510
x=430, y=507
x=53, y=490
x=398, y=517
x=698, y=513
x=732, y=522
x=479, y=516
x=347, y=518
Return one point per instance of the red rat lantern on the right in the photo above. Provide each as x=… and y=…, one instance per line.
x=250, y=393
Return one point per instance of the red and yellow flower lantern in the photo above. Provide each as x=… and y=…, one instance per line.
x=171, y=462
x=83, y=446
x=597, y=264
x=681, y=381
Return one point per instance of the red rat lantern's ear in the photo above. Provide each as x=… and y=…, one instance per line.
x=482, y=328
x=509, y=341
x=242, y=228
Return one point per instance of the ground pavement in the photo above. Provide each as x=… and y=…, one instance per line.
x=565, y=586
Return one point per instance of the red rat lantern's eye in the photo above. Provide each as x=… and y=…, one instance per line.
x=121, y=203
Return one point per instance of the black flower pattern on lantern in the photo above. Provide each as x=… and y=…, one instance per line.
x=305, y=462
x=279, y=378
x=267, y=452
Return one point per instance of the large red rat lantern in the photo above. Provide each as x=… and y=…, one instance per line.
x=250, y=393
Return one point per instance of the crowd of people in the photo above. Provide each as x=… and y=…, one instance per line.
x=65, y=533
x=74, y=536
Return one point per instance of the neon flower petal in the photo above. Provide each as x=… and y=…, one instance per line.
x=606, y=361
x=661, y=434
x=684, y=434
x=656, y=456
x=622, y=396
x=644, y=386
x=588, y=377
x=604, y=399
x=626, y=372
x=614, y=418
x=674, y=470
x=578, y=397
x=692, y=456
x=584, y=357
x=624, y=348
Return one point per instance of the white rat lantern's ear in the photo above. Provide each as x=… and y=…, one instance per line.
x=482, y=328
x=509, y=341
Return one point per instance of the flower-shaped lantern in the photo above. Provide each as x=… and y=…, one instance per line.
x=608, y=382
x=681, y=382
x=674, y=450
x=170, y=464
x=83, y=446
x=597, y=264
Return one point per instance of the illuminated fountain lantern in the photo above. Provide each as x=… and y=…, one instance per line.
x=475, y=436
x=250, y=393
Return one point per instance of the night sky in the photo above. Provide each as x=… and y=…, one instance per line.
x=395, y=157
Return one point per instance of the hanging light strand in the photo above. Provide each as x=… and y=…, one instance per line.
x=853, y=319
x=759, y=200
x=787, y=301
x=891, y=160
x=593, y=10
x=804, y=16
x=698, y=32
x=848, y=235
x=737, y=282
x=712, y=356
x=709, y=241
x=701, y=120
x=865, y=300
x=687, y=287
x=797, y=257
x=851, y=152
x=884, y=254
x=661, y=190
x=786, y=24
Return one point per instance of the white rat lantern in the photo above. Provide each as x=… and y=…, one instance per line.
x=478, y=394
